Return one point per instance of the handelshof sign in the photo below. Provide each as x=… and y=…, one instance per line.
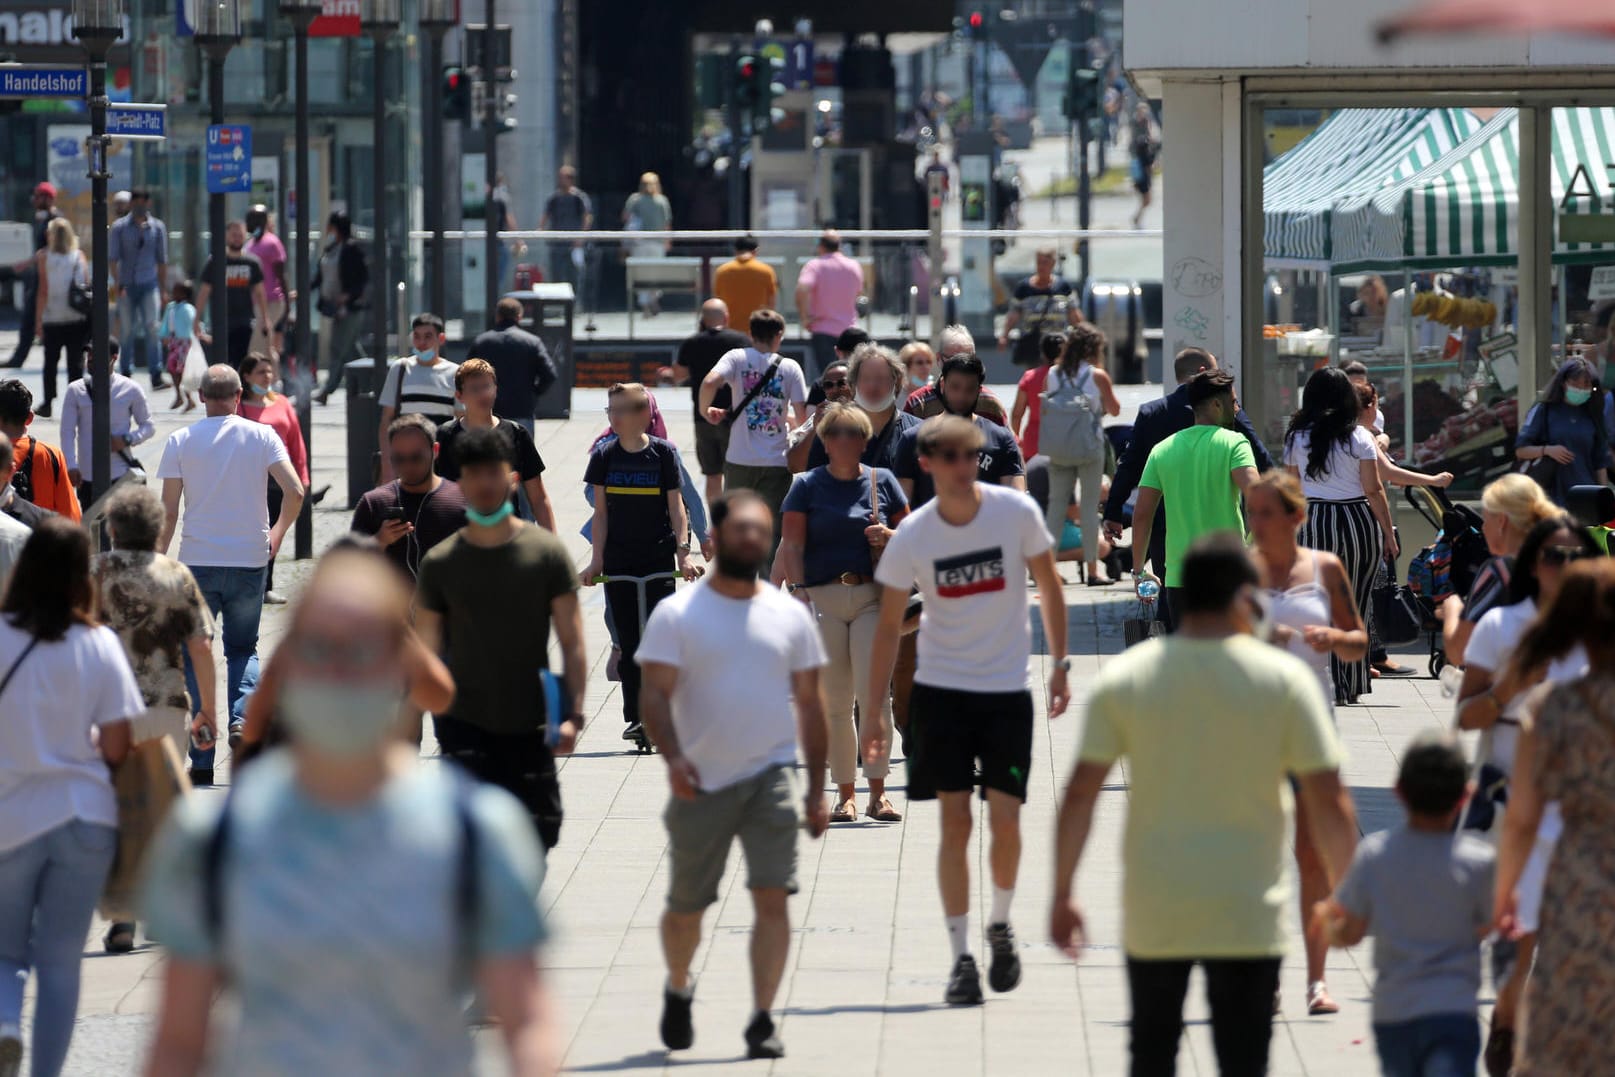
x=42, y=80
x=229, y=158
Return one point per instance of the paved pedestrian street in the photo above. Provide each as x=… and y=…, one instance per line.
x=862, y=992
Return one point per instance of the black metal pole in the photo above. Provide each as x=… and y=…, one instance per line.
x=737, y=141
x=100, y=382
x=432, y=170
x=219, y=308
x=304, y=535
x=380, y=275
x=490, y=142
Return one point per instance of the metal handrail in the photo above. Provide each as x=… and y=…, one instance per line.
x=906, y=235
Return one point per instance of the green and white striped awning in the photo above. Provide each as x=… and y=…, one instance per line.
x=1352, y=154
x=1464, y=208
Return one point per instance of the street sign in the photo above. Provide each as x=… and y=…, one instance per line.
x=229, y=158
x=43, y=80
x=145, y=123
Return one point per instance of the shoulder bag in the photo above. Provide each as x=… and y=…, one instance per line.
x=80, y=298
x=756, y=390
x=1544, y=470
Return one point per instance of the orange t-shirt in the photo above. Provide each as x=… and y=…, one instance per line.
x=52, y=488
x=746, y=285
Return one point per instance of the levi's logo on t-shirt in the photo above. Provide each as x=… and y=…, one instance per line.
x=971, y=573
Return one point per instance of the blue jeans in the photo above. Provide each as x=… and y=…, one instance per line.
x=1441, y=1045
x=236, y=597
x=139, y=313
x=48, y=890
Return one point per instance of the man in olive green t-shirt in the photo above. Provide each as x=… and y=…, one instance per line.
x=1212, y=723
x=1200, y=473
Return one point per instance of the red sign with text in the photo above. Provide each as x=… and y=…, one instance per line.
x=337, y=18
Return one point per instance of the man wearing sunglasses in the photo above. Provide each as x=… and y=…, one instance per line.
x=420, y=508
x=971, y=711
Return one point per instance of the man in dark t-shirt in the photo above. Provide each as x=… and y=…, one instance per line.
x=697, y=355
x=999, y=461
x=476, y=387
x=520, y=361
x=245, y=298
x=420, y=508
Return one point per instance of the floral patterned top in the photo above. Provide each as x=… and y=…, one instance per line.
x=154, y=605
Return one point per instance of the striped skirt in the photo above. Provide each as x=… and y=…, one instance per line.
x=1348, y=530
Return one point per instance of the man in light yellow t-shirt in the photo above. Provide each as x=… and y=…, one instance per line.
x=1213, y=724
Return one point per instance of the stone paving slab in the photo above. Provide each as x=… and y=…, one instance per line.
x=869, y=960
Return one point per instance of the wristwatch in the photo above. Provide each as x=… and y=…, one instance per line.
x=576, y=719
x=683, y=547
x=792, y=588
x=1063, y=665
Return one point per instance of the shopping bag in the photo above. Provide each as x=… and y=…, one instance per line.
x=1145, y=626
x=195, y=366
x=148, y=783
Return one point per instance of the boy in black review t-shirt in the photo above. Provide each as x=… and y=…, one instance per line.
x=640, y=527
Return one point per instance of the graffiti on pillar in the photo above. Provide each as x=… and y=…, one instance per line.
x=1195, y=278
x=1193, y=322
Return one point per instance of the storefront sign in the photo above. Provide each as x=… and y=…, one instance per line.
x=40, y=22
x=337, y=18
x=1602, y=285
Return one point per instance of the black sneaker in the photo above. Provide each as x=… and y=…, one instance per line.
x=964, y=986
x=633, y=731
x=1005, y=971
x=761, y=1039
x=235, y=732
x=678, y=1029
x=202, y=777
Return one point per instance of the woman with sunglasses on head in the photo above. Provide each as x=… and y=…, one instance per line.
x=1563, y=436
x=831, y=533
x=1510, y=507
x=1492, y=702
x=1314, y=614
x=346, y=894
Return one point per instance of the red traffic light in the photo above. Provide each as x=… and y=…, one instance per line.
x=748, y=70
x=975, y=20
x=454, y=80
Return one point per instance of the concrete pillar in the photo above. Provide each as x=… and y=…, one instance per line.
x=1200, y=124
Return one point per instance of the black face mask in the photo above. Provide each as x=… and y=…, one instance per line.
x=737, y=568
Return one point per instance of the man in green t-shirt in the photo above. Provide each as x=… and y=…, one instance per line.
x=1200, y=473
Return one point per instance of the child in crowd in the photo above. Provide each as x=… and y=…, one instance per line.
x=178, y=330
x=1426, y=897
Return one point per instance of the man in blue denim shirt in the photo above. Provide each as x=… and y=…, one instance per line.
x=137, y=248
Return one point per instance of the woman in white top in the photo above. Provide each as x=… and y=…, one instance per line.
x=1348, y=514
x=1082, y=363
x=66, y=697
x=1491, y=702
x=59, y=266
x=1314, y=614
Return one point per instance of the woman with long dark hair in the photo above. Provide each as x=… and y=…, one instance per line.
x=1563, y=435
x=67, y=696
x=1347, y=511
x=261, y=404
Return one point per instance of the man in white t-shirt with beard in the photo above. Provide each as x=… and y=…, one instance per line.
x=968, y=550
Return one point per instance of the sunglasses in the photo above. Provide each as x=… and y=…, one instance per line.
x=840, y=384
x=843, y=432
x=953, y=456
x=1563, y=555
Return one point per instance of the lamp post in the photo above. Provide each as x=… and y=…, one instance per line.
x=379, y=19
x=218, y=29
x=437, y=18
x=490, y=157
x=301, y=13
x=97, y=24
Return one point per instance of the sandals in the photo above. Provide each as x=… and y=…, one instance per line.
x=846, y=812
x=881, y=810
x=1319, y=1001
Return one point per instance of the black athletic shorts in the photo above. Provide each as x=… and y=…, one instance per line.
x=951, y=732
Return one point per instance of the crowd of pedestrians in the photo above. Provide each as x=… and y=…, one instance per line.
x=870, y=546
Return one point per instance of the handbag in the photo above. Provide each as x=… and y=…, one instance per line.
x=80, y=298
x=148, y=783
x=1398, y=616
x=1544, y=470
x=1145, y=626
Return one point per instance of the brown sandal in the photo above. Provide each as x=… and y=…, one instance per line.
x=880, y=809
x=846, y=812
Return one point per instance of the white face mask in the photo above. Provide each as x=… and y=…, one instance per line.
x=875, y=405
x=341, y=719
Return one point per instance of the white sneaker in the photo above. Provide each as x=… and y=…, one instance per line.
x=274, y=598
x=10, y=1050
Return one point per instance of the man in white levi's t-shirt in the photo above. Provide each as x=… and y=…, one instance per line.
x=969, y=550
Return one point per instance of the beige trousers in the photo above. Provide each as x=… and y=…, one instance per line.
x=847, y=620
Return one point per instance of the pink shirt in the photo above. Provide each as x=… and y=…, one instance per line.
x=834, y=283
x=271, y=253
x=1032, y=383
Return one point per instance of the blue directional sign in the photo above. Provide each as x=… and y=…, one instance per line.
x=229, y=158
x=43, y=80
x=138, y=122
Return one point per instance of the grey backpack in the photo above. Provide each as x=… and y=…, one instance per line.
x=1072, y=429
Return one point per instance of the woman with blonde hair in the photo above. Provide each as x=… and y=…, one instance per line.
x=648, y=210
x=61, y=267
x=1510, y=508
x=1314, y=613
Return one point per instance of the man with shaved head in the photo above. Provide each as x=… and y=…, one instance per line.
x=697, y=356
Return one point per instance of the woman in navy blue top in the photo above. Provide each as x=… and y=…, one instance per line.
x=1566, y=429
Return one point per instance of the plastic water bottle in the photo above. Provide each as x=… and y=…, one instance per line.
x=1148, y=591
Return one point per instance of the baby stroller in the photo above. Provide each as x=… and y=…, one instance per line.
x=1449, y=564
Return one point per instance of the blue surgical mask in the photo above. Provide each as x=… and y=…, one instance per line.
x=258, y=390
x=1577, y=397
x=490, y=519
x=426, y=356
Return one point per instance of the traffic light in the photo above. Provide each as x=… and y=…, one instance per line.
x=768, y=73
x=504, y=122
x=456, y=94
x=976, y=26
x=1082, y=93
x=744, y=93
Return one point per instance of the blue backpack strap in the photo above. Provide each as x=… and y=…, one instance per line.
x=214, y=854
x=467, y=877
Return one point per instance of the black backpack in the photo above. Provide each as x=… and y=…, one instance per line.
x=22, y=480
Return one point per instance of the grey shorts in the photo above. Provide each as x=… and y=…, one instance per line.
x=711, y=445
x=761, y=811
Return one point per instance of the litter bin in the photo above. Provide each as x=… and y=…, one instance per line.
x=364, y=417
x=1116, y=308
x=547, y=311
